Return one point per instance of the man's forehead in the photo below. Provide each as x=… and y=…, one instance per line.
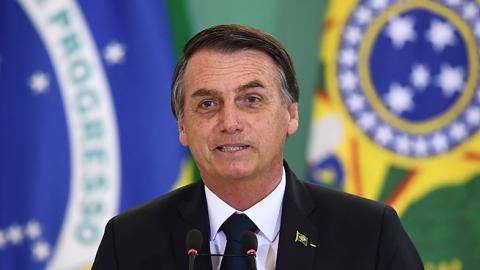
x=218, y=56
x=243, y=69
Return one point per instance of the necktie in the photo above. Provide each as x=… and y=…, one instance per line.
x=234, y=227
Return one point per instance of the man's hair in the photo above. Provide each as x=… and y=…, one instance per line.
x=232, y=38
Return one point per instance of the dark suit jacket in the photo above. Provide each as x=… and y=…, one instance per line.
x=343, y=231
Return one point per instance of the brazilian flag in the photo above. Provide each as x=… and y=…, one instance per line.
x=86, y=127
x=397, y=116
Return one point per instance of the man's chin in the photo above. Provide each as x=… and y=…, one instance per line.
x=235, y=171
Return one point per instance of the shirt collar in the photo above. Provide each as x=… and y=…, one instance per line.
x=269, y=225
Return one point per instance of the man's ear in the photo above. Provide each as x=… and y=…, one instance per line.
x=182, y=133
x=293, y=121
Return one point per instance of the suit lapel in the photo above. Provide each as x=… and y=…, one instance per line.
x=298, y=236
x=194, y=213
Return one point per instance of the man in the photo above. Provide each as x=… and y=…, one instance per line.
x=235, y=97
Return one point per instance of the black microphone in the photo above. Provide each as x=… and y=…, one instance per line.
x=250, y=244
x=193, y=243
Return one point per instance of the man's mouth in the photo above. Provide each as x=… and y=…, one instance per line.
x=231, y=148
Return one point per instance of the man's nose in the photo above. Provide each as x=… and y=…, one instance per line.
x=230, y=119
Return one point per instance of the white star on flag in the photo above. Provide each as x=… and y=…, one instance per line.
x=114, y=53
x=440, y=34
x=355, y=102
x=420, y=147
x=473, y=116
x=384, y=135
x=348, y=57
x=378, y=4
x=476, y=29
x=440, y=142
x=450, y=79
x=367, y=121
x=458, y=132
x=400, y=30
x=399, y=99
x=363, y=15
x=41, y=250
x=420, y=76
x=470, y=11
x=353, y=35
x=348, y=81
x=402, y=144
x=14, y=234
x=33, y=230
x=454, y=2
x=3, y=240
x=39, y=82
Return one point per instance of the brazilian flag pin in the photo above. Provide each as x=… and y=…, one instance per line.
x=301, y=238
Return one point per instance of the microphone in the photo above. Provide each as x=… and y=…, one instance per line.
x=193, y=244
x=250, y=244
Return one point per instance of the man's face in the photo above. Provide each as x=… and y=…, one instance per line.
x=235, y=121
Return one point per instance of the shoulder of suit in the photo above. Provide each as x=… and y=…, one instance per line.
x=162, y=206
x=339, y=203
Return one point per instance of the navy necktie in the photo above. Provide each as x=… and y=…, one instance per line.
x=234, y=227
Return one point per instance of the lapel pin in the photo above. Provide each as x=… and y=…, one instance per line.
x=301, y=238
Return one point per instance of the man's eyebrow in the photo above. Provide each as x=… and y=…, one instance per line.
x=249, y=85
x=203, y=92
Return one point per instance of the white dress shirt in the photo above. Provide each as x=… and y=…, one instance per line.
x=266, y=214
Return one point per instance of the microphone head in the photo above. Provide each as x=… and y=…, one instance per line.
x=193, y=241
x=249, y=242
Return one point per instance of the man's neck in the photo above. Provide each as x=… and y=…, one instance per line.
x=242, y=194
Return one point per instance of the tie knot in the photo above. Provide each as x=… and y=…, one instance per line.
x=236, y=225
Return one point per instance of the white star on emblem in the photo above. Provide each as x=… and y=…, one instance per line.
x=399, y=99
x=450, y=80
x=39, y=82
x=367, y=121
x=476, y=29
x=3, y=240
x=348, y=57
x=14, y=234
x=470, y=11
x=114, y=53
x=402, y=144
x=348, y=81
x=420, y=76
x=458, y=132
x=353, y=35
x=440, y=34
x=355, y=102
x=473, y=116
x=383, y=135
x=378, y=4
x=440, y=142
x=41, y=250
x=454, y=2
x=33, y=230
x=420, y=147
x=400, y=30
x=363, y=15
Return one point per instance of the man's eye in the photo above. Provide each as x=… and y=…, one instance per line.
x=253, y=99
x=207, y=104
